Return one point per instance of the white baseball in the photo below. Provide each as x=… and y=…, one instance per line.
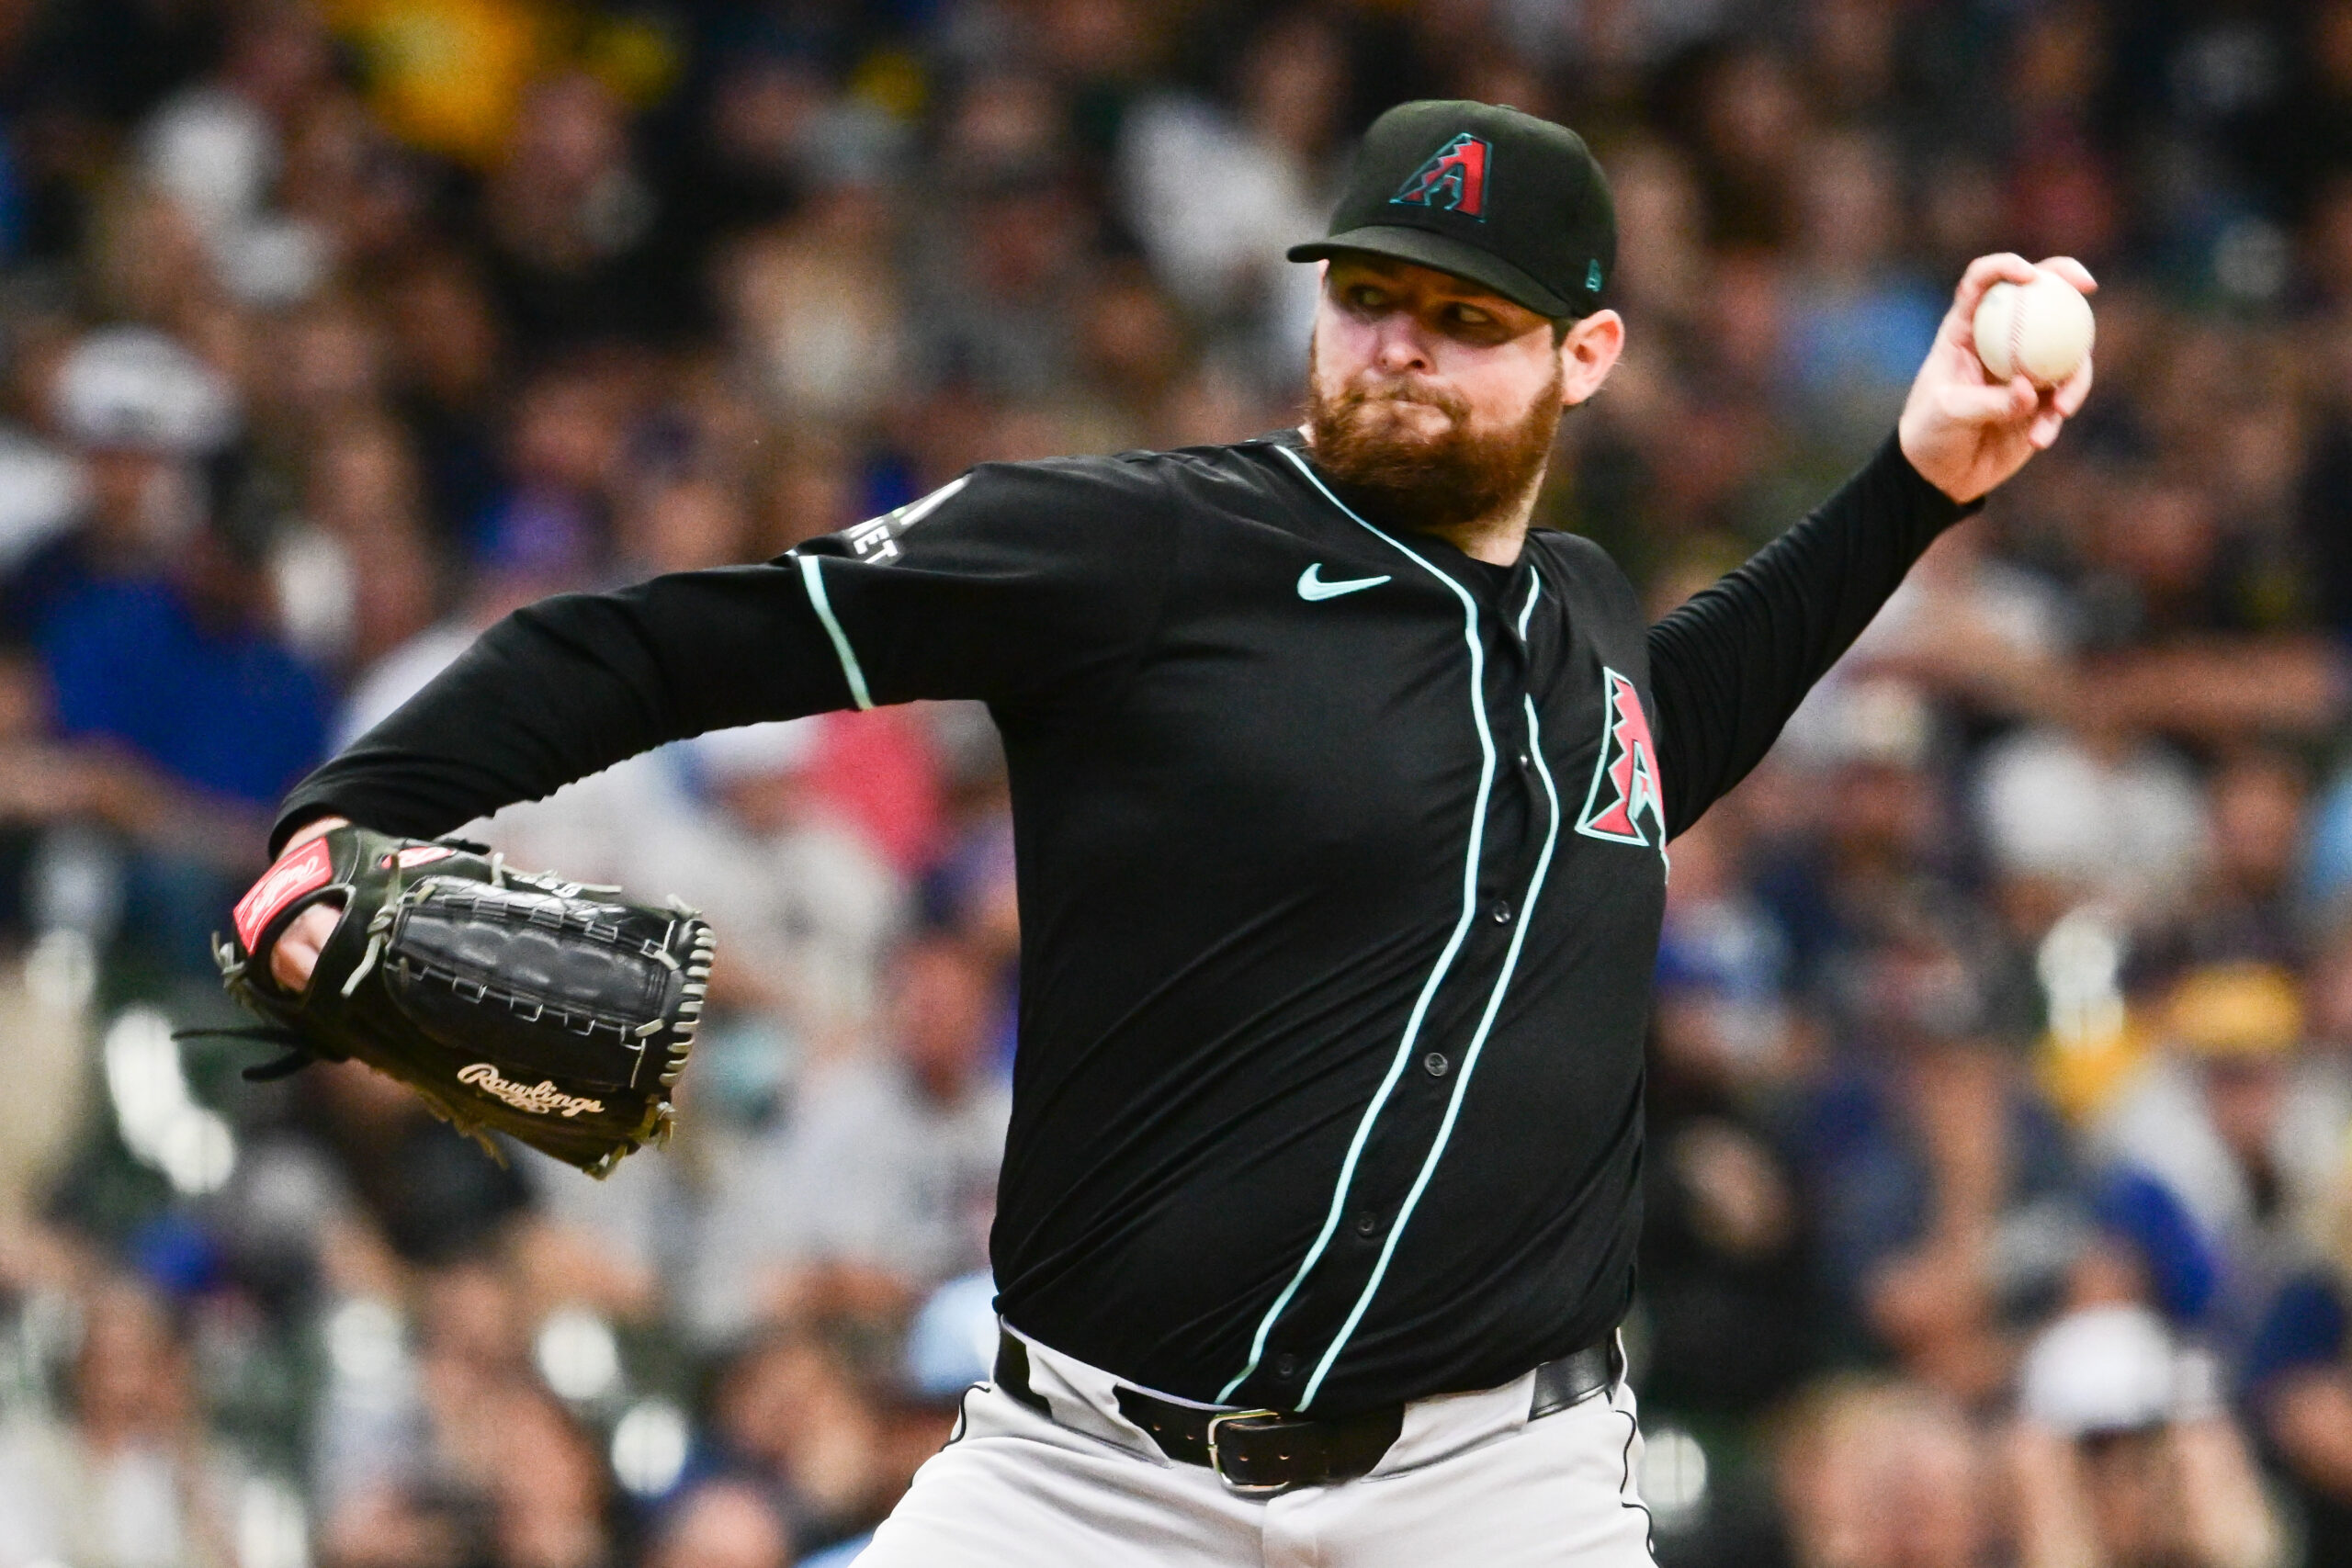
x=2042, y=329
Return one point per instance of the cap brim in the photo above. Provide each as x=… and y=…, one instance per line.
x=1446, y=254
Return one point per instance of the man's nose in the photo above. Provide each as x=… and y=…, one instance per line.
x=1402, y=346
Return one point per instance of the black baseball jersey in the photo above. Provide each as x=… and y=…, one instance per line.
x=1342, y=861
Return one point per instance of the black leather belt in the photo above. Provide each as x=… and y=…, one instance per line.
x=1264, y=1453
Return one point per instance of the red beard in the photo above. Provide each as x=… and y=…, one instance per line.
x=1428, y=481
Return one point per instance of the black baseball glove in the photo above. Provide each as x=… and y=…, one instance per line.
x=511, y=1001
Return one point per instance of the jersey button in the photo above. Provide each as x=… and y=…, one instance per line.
x=1523, y=763
x=1435, y=1064
x=1367, y=1224
x=1286, y=1367
x=1500, y=913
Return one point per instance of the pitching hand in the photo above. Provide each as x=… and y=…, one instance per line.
x=1963, y=431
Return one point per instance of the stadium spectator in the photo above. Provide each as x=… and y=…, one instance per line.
x=2226, y=1150
x=1874, y=1473
x=722, y=1524
x=130, y=1475
x=886, y=1161
x=2301, y=1377
x=793, y=1409
x=2122, y=1454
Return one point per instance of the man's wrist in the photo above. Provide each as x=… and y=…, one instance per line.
x=1898, y=457
x=313, y=828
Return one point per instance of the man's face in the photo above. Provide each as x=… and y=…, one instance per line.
x=2245, y=1096
x=944, y=1009
x=2134, y=1483
x=142, y=503
x=1435, y=397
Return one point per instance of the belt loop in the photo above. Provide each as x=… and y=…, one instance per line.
x=1571, y=1379
x=1012, y=1372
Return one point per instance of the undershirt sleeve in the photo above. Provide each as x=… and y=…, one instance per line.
x=1729, y=667
x=1026, y=586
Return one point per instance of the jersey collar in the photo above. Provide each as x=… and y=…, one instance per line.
x=1494, y=587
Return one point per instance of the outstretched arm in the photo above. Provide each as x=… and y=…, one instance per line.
x=1729, y=667
x=1025, y=585
x=1028, y=586
x=573, y=685
x=558, y=691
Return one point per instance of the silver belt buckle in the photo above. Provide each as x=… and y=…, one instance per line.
x=1258, y=1490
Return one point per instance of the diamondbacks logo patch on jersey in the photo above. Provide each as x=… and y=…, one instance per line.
x=1455, y=179
x=876, y=541
x=1625, y=790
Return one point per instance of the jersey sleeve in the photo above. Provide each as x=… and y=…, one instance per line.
x=1728, y=668
x=1031, y=587
x=1025, y=585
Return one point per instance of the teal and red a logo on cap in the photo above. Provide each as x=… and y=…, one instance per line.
x=1455, y=179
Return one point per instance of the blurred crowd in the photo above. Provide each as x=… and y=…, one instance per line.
x=2000, y=1176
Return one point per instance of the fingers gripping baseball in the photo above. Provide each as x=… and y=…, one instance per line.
x=1967, y=430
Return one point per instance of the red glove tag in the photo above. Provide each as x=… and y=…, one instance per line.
x=298, y=872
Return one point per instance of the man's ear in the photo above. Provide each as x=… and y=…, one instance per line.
x=1588, y=354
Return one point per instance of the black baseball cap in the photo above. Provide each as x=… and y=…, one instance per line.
x=1486, y=192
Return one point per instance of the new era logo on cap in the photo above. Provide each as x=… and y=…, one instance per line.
x=1454, y=178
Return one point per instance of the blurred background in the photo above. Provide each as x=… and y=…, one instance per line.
x=2000, y=1195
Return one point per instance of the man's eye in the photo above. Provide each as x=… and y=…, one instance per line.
x=1364, y=297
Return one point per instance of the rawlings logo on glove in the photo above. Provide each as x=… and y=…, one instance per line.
x=540, y=1098
x=511, y=1001
x=298, y=872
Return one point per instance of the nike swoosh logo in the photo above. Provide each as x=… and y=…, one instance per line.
x=1313, y=589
